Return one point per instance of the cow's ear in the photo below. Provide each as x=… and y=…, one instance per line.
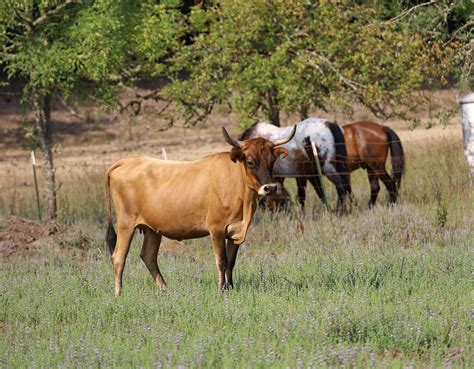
x=280, y=152
x=236, y=154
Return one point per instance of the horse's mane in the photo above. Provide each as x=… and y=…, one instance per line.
x=246, y=134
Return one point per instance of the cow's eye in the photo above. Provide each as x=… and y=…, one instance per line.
x=250, y=163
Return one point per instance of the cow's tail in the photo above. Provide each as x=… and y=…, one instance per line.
x=341, y=155
x=397, y=154
x=111, y=236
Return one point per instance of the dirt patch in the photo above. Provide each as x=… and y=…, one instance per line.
x=27, y=239
x=18, y=235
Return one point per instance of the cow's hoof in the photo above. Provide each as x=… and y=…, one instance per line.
x=226, y=287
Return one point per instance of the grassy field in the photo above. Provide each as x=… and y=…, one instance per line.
x=390, y=287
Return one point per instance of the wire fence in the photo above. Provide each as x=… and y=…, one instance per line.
x=348, y=159
x=82, y=176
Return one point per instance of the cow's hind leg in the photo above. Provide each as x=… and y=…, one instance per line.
x=231, y=251
x=149, y=255
x=124, y=238
x=218, y=243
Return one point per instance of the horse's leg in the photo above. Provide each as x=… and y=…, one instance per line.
x=262, y=202
x=374, y=186
x=278, y=201
x=301, y=185
x=149, y=255
x=341, y=190
x=315, y=181
x=348, y=191
x=347, y=184
x=389, y=184
x=281, y=199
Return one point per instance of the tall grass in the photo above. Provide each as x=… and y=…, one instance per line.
x=390, y=287
x=436, y=175
x=387, y=287
x=80, y=193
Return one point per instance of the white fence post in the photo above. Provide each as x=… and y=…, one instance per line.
x=320, y=174
x=33, y=165
x=467, y=118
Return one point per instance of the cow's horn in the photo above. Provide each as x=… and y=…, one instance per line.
x=230, y=140
x=287, y=139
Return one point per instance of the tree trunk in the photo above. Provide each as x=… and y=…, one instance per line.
x=273, y=108
x=304, y=112
x=42, y=108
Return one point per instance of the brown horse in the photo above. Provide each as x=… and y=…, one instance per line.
x=367, y=146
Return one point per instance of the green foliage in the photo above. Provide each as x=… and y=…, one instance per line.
x=442, y=215
x=264, y=57
x=158, y=35
x=260, y=57
x=86, y=46
x=449, y=22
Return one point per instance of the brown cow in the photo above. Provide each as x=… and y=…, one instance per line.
x=215, y=195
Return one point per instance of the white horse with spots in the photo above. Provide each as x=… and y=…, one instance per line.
x=328, y=138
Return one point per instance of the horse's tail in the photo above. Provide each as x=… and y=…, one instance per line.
x=397, y=154
x=111, y=236
x=341, y=154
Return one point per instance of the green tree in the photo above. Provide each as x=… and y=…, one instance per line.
x=446, y=21
x=263, y=57
x=85, y=47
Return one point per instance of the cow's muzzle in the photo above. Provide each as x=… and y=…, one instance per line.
x=268, y=189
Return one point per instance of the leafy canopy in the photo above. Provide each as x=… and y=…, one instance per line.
x=89, y=46
x=262, y=57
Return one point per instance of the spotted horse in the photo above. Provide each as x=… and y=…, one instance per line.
x=328, y=138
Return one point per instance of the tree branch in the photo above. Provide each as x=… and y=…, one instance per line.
x=469, y=24
x=136, y=103
x=408, y=11
x=6, y=50
x=196, y=117
x=126, y=75
x=51, y=13
x=70, y=109
x=348, y=82
x=27, y=23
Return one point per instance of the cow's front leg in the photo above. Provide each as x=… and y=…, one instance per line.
x=231, y=250
x=218, y=243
